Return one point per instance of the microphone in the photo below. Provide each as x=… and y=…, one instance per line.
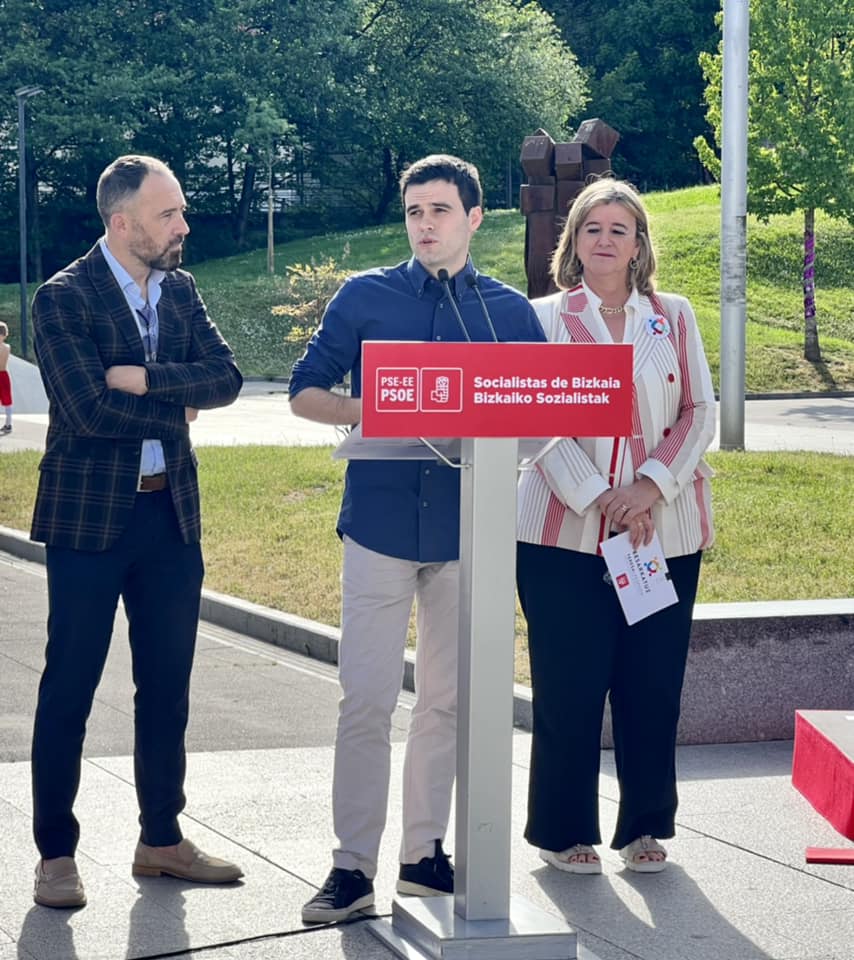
x=471, y=282
x=443, y=278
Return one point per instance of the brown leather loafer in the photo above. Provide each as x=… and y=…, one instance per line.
x=58, y=883
x=186, y=862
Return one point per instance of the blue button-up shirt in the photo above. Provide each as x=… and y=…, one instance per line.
x=404, y=508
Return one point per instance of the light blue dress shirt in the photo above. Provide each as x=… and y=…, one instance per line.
x=152, y=460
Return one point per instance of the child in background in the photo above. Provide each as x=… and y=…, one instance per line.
x=5, y=382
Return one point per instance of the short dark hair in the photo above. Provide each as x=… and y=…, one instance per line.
x=121, y=179
x=442, y=166
x=4, y=330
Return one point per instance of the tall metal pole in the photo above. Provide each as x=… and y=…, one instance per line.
x=736, y=37
x=23, y=94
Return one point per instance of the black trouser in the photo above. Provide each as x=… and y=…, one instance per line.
x=159, y=578
x=581, y=649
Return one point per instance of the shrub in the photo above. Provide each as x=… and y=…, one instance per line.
x=308, y=289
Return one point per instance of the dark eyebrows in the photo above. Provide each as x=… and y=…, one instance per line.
x=438, y=205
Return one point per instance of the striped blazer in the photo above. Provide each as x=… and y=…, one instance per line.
x=673, y=422
x=89, y=474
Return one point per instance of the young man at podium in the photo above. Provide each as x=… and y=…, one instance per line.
x=399, y=522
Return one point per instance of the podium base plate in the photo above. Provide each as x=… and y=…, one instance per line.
x=426, y=928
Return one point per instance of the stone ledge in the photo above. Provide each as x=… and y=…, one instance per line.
x=750, y=665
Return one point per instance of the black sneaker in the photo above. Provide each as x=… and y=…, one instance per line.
x=430, y=877
x=345, y=892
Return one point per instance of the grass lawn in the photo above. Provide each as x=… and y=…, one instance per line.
x=784, y=529
x=686, y=232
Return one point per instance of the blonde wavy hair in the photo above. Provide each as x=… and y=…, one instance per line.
x=567, y=269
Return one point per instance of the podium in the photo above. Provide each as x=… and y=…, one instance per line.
x=456, y=391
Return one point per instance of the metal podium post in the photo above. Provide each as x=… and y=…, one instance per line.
x=482, y=921
x=484, y=719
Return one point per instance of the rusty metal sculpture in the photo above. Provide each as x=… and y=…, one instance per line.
x=556, y=174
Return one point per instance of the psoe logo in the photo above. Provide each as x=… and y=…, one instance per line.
x=441, y=390
x=397, y=389
x=652, y=566
x=622, y=580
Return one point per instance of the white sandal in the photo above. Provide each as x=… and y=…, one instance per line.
x=636, y=855
x=570, y=860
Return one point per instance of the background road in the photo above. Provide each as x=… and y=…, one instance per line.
x=262, y=415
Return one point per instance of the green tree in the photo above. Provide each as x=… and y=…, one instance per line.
x=265, y=131
x=368, y=86
x=129, y=76
x=37, y=50
x=801, y=121
x=640, y=59
x=298, y=54
x=471, y=77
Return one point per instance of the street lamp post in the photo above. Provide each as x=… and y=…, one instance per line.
x=23, y=94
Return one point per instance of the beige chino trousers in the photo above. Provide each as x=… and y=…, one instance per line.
x=377, y=596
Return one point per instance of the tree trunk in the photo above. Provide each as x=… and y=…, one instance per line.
x=243, y=204
x=270, y=247
x=391, y=178
x=812, y=350
x=229, y=166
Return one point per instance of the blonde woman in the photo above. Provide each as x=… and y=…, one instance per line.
x=588, y=489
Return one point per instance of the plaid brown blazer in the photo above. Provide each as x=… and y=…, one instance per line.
x=89, y=474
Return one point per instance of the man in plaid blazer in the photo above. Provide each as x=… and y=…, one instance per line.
x=128, y=356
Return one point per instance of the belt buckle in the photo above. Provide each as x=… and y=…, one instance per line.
x=142, y=488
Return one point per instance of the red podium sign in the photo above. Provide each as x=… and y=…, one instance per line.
x=496, y=389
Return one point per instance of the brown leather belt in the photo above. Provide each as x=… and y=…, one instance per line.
x=156, y=481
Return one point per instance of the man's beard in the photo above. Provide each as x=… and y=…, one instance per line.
x=167, y=258
x=170, y=259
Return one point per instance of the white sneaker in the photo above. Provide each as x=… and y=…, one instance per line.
x=581, y=858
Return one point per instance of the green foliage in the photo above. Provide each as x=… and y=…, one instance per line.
x=801, y=101
x=800, y=132
x=801, y=107
x=309, y=288
x=264, y=129
x=470, y=77
x=710, y=160
x=640, y=57
x=366, y=87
